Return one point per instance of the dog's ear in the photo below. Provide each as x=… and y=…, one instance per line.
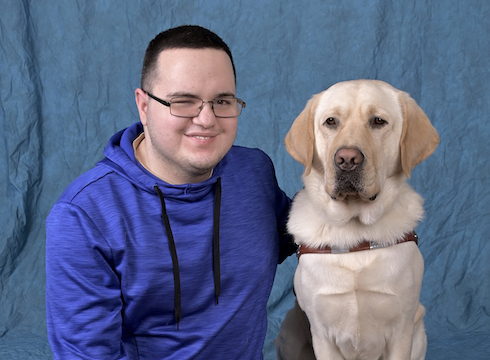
x=419, y=138
x=300, y=139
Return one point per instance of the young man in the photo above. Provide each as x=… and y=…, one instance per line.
x=167, y=249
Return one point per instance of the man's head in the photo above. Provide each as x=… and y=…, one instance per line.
x=184, y=66
x=182, y=37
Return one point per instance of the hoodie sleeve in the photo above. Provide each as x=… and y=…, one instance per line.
x=83, y=295
x=287, y=244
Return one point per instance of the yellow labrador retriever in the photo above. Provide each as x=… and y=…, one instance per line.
x=360, y=271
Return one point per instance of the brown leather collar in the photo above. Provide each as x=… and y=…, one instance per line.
x=365, y=245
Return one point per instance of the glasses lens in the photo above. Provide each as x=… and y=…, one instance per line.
x=226, y=106
x=185, y=106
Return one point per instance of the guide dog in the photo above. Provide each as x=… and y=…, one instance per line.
x=360, y=271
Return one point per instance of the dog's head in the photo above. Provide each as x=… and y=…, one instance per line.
x=358, y=133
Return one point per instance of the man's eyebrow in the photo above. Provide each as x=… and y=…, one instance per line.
x=187, y=94
x=182, y=93
x=227, y=93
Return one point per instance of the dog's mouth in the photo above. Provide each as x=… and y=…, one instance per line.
x=353, y=197
x=349, y=186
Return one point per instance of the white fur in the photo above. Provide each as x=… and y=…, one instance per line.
x=315, y=219
x=361, y=305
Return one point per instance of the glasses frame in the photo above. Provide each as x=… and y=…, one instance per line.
x=168, y=103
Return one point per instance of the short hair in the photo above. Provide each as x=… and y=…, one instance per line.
x=186, y=36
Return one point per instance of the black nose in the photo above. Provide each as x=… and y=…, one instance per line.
x=348, y=159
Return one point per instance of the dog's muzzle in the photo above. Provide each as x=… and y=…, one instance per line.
x=348, y=163
x=348, y=159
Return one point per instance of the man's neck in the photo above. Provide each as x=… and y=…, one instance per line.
x=141, y=155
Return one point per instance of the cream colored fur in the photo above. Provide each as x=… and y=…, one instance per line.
x=360, y=305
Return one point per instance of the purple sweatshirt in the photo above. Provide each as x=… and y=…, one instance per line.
x=123, y=282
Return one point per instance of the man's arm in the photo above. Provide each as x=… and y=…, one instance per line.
x=83, y=294
x=287, y=244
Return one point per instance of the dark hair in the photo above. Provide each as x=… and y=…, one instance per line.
x=186, y=36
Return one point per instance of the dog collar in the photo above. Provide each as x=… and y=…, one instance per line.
x=365, y=245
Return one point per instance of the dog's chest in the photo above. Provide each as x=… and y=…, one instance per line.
x=343, y=273
x=348, y=296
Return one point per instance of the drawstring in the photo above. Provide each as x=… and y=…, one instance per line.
x=216, y=264
x=175, y=260
x=173, y=250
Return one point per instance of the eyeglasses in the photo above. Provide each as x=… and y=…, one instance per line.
x=189, y=106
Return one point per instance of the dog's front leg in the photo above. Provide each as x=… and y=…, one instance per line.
x=322, y=347
x=294, y=339
x=410, y=342
x=419, y=345
x=400, y=347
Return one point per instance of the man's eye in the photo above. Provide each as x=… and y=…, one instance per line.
x=184, y=101
x=223, y=102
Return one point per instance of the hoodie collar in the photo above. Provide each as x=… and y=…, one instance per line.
x=120, y=157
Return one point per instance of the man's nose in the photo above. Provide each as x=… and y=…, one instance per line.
x=206, y=117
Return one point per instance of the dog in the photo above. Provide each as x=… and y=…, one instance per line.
x=360, y=271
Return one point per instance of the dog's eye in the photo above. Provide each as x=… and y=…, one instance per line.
x=377, y=121
x=330, y=122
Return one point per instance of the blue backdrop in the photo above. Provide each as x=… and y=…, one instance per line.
x=68, y=73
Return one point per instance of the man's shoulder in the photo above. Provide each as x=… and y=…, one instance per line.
x=88, y=182
x=248, y=161
x=249, y=154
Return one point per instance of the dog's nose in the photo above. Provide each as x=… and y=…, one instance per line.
x=348, y=159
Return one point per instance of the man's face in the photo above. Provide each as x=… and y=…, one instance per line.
x=185, y=150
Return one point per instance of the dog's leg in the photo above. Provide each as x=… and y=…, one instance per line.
x=399, y=347
x=294, y=339
x=419, y=345
x=411, y=343
x=324, y=350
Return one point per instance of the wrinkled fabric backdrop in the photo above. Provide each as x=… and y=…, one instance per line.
x=68, y=73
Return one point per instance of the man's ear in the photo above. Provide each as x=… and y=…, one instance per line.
x=419, y=138
x=142, y=104
x=300, y=140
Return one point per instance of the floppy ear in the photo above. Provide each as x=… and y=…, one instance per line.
x=300, y=140
x=419, y=138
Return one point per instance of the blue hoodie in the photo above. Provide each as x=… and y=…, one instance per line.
x=119, y=287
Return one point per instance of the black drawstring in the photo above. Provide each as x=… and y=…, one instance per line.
x=173, y=250
x=175, y=260
x=216, y=263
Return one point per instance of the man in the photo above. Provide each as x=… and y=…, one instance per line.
x=167, y=249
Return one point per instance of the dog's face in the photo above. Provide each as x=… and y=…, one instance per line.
x=357, y=130
x=358, y=133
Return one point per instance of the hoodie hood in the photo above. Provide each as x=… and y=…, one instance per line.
x=120, y=158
